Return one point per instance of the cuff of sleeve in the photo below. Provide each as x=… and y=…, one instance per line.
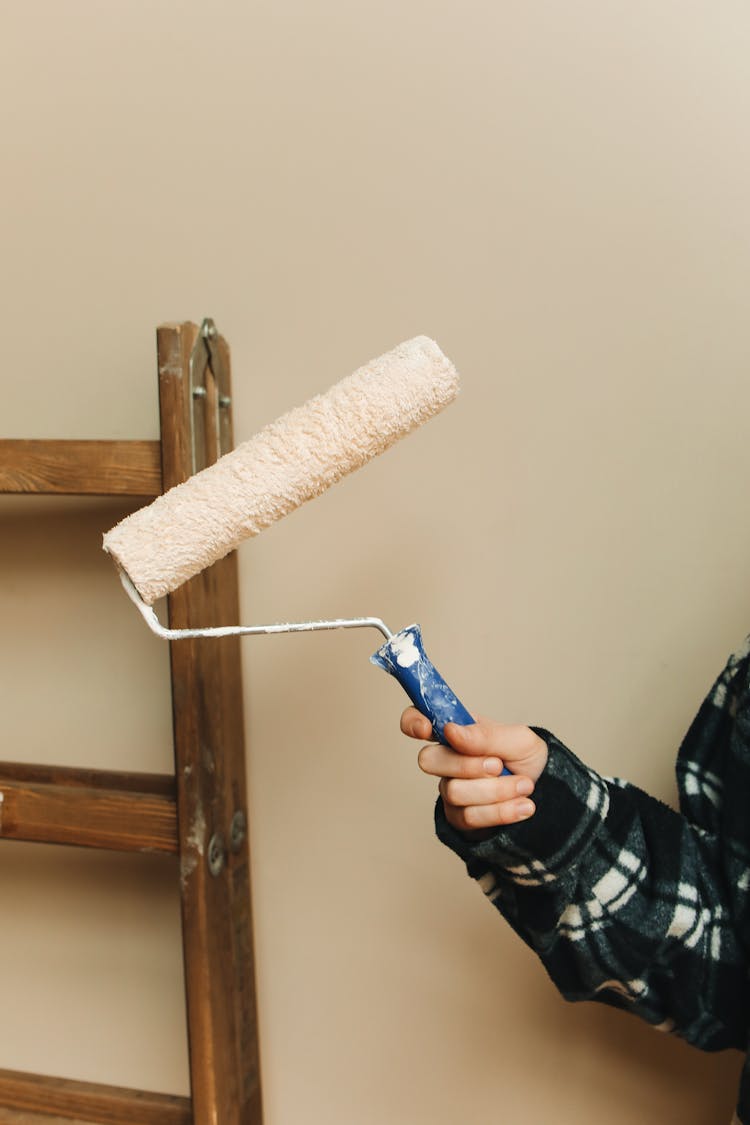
x=571, y=802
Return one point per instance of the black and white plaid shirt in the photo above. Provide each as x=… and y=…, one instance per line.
x=630, y=903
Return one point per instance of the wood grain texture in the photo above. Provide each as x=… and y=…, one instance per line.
x=23, y=1117
x=90, y=778
x=185, y=813
x=32, y=1098
x=210, y=770
x=68, y=811
x=81, y=468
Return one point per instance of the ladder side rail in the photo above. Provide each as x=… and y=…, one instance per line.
x=209, y=746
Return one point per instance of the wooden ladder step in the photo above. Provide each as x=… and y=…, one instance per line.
x=130, y=812
x=40, y=1100
x=81, y=468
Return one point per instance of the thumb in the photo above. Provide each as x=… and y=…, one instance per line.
x=516, y=745
x=471, y=738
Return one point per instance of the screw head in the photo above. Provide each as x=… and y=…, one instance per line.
x=216, y=854
x=237, y=830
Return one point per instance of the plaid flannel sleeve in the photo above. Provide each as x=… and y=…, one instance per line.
x=623, y=900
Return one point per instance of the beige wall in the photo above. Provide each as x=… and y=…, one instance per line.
x=556, y=192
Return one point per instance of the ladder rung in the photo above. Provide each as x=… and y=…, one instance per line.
x=90, y=808
x=81, y=468
x=85, y=1102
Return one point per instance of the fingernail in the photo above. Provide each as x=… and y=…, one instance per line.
x=493, y=766
x=524, y=786
x=524, y=809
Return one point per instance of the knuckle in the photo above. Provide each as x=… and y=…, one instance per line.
x=512, y=790
x=473, y=817
x=506, y=812
x=469, y=767
x=451, y=791
x=504, y=789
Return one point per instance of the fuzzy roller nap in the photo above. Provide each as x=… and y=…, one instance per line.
x=289, y=462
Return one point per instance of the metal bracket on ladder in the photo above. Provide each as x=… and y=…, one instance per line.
x=210, y=400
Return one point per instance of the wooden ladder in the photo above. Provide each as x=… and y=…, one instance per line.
x=198, y=813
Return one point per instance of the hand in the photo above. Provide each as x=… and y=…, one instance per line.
x=475, y=797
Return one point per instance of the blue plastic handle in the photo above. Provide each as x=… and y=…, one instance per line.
x=404, y=657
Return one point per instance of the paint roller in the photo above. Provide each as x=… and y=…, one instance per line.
x=290, y=461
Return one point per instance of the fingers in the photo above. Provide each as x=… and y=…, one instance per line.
x=482, y=737
x=476, y=798
x=510, y=742
x=484, y=791
x=486, y=803
x=481, y=818
x=441, y=761
x=518, y=747
x=415, y=724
